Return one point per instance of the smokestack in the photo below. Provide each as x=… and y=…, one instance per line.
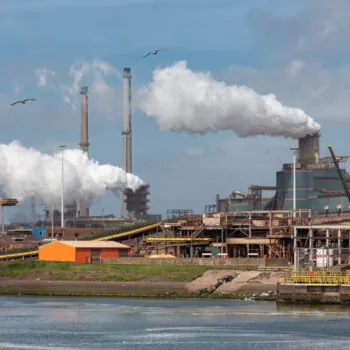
x=84, y=140
x=309, y=149
x=126, y=133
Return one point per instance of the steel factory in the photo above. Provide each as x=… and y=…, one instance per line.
x=259, y=223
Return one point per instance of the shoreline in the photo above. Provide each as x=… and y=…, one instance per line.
x=161, y=290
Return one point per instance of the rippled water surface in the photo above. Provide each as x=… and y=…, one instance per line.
x=79, y=323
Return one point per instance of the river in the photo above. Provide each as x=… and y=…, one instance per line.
x=111, y=323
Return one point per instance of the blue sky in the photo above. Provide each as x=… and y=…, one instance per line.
x=298, y=50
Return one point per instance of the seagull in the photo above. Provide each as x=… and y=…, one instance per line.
x=23, y=101
x=155, y=52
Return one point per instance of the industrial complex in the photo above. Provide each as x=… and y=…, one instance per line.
x=318, y=185
x=298, y=221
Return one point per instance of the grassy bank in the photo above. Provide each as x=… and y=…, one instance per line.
x=121, y=273
x=125, y=294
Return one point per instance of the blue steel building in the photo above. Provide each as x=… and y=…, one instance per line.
x=318, y=185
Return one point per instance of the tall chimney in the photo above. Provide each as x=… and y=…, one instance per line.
x=309, y=150
x=84, y=140
x=126, y=133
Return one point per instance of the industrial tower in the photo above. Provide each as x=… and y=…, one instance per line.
x=126, y=133
x=84, y=141
x=133, y=203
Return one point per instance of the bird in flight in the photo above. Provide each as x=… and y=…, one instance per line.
x=155, y=52
x=23, y=101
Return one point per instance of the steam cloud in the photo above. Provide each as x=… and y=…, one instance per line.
x=26, y=172
x=183, y=100
x=94, y=75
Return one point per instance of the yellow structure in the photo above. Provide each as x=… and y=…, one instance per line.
x=318, y=278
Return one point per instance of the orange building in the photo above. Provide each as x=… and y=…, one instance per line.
x=83, y=252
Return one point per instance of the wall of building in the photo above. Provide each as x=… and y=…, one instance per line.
x=83, y=255
x=57, y=251
x=114, y=253
x=39, y=232
x=309, y=185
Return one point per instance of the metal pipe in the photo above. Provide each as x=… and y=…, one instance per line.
x=52, y=220
x=294, y=181
x=311, y=237
x=62, y=187
x=3, y=219
x=127, y=132
x=294, y=186
x=84, y=141
x=295, y=246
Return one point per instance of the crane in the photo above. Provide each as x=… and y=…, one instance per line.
x=336, y=163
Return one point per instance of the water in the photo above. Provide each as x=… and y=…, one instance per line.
x=80, y=323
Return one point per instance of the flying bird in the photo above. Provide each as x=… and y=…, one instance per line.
x=155, y=52
x=23, y=101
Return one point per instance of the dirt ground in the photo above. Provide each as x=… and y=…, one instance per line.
x=243, y=282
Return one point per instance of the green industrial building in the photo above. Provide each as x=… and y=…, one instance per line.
x=318, y=185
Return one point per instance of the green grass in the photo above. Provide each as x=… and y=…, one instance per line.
x=71, y=272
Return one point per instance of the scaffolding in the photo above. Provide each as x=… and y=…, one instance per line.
x=320, y=247
x=255, y=195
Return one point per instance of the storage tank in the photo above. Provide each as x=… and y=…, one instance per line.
x=324, y=258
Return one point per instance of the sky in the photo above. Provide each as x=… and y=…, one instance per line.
x=297, y=50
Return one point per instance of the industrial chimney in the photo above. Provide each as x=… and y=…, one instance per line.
x=309, y=149
x=84, y=141
x=126, y=133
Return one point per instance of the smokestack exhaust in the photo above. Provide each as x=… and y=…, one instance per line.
x=126, y=133
x=84, y=140
x=309, y=149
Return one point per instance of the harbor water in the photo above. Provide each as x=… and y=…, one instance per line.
x=112, y=323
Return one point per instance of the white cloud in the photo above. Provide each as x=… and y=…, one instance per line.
x=294, y=68
x=319, y=31
x=45, y=77
x=103, y=95
x=183, y=100
x=322, y=93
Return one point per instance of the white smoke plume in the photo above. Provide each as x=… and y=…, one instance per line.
x=25, y=172
x=94, y=75
x=183, y=100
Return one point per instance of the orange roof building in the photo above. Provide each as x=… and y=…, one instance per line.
x=83, y=252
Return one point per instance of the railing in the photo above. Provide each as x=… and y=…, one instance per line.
x=318, y=278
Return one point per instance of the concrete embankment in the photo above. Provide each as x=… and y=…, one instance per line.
x=318, y=294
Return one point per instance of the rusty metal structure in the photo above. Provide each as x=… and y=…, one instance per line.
x=176, y=213
x=246, y=234
x=6, y=202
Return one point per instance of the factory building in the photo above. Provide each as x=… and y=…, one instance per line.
x=82, y=252
x=318, y=185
